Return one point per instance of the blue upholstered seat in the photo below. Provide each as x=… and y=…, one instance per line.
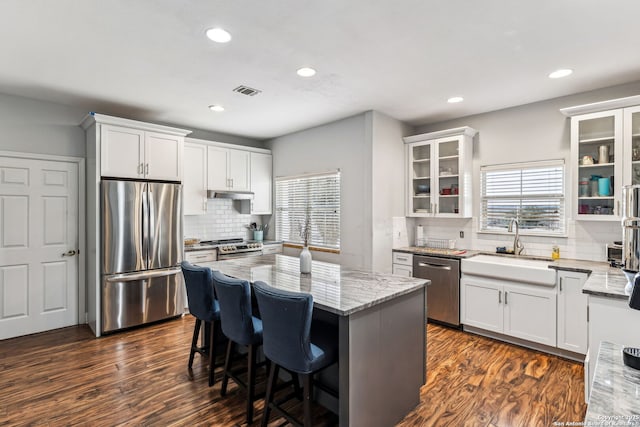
x=234, y=296
x=292, y=341
x=241, y=327
x=204, y=307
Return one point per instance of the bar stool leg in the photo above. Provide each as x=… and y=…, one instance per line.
x=251, y=381
x=307, y=386
x=273, y=376
x=194, y=342
x=227, y=368
x=212, y=352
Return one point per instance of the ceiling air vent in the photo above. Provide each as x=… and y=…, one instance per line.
x=246, y=90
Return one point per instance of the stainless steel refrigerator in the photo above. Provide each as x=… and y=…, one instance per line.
x=141, y=253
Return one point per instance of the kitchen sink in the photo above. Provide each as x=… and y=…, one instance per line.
x=520, y=269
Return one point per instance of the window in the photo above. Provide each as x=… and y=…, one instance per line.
x=532, y=193
x=312, y=199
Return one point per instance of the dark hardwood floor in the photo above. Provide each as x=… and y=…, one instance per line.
x=140, y=377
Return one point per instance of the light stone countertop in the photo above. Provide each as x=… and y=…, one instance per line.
x=615, y=396
x=335, y=288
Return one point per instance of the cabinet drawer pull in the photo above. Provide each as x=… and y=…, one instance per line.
x=401, y=258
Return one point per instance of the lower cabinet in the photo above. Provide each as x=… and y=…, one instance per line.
x=523, y=311
x=402, y=264
x=273, y=248
x=573, y=331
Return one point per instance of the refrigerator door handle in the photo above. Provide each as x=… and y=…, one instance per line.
x=151, y=214
x=130, y=277
x=145, y=224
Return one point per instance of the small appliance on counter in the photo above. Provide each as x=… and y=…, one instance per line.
x=631, y=355
x=630, y=233
x=614, y=254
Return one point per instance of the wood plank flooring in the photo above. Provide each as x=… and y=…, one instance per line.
x=140, y=377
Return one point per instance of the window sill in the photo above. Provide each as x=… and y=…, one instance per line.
x=521, y=233
x=312, y=248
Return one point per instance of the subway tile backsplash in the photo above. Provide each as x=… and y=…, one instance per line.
x=222, y=221
x=586, y=240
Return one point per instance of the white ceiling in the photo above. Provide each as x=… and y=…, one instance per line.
x=150, y=59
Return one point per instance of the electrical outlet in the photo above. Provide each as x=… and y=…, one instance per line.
x=462, y=234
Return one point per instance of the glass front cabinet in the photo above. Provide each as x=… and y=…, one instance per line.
x=439, y=173
x=605, y=156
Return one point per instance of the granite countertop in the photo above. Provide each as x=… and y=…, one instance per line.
x=443, y=253
x=615, y=395
x=335, y=288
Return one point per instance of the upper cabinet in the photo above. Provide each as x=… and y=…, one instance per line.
x=439, y=173
x=228, y=169
x=605, y=154
x=194, y=182
x=216, y=166
x=261, y=183
x=138, y=150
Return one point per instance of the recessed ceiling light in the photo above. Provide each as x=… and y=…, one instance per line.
x=218, y=35
x=216, y=108
x=455, y=99
x=306, y=72
x=563, y=72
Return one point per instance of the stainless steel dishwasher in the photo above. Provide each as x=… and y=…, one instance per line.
x=443, y=294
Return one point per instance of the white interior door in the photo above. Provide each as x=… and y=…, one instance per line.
x=38, y=237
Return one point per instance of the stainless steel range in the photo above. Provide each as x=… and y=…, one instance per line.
x=235, y=248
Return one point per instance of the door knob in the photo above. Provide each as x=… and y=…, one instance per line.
x=70, y=253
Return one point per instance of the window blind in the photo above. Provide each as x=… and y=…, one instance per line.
x=311, y=198
x=532, y=193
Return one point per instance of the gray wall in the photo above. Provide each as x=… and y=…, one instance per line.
x=387, y=185
x=31, y=126
x=42, y=127
x=536, y=131
x=338, y=145
x=369, y=151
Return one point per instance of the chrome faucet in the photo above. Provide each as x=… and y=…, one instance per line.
x=518, y=247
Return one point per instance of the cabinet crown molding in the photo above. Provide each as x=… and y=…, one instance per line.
x=596, y=107
x=464, y=130
x=92, y=118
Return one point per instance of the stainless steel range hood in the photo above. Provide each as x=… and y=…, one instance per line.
x=233, y=195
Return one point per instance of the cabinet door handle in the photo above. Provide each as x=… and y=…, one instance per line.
x=231, y=182
x=204, y=205
x=146, y=169
x=436, y=210
x=505, y=297
x=561, y=284
x=140, y=169
x=618, y=208
x=499, y=297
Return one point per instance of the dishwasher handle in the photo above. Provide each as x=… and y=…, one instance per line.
x=438, y=266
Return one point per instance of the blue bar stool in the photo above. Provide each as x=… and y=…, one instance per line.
x=242, y=328
x=293, y=343
x=204, y=307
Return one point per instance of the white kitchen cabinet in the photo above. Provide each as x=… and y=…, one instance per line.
x=439, y=173
x=272, y=248
x=228, y=169
x=530, y=313
x=522, y=311
x=261, y=183
x=194, y=183
x=129, y=152
x=610, y=319
x=402, y=264
x=612, y=128
x=573, y=330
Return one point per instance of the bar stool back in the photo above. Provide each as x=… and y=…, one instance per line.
x=293, y=343
x=205, y=308
x=241, y=327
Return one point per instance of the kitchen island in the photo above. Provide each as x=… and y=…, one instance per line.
x=380, y=320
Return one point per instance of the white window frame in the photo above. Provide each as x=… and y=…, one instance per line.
x=560, y=196
x=324, y=231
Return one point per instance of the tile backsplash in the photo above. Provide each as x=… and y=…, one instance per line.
x=586, y=240
x=222, y=221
